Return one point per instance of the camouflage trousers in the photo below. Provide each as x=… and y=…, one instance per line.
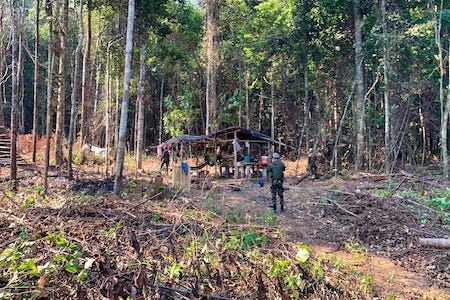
x=277, y=188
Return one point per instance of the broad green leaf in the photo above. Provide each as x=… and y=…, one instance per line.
x=29, y=264
x=302, y=255
x=72, y=266
x=6, y=254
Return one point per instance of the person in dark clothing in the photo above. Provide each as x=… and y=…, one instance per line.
x=165, y=159
x=276, y=173
x=312, y=164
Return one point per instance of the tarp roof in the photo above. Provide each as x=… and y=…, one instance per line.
x=226, y=134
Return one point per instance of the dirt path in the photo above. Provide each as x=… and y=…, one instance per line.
x=366, y=234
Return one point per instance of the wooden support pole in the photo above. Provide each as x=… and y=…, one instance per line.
x=236, y=170
x=438, y=243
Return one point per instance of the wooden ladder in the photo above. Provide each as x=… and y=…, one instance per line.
x=5, y=149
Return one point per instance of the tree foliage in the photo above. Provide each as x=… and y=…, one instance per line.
x=293, y=57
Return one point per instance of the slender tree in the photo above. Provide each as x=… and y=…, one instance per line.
x=15, y=91
x=48, y=127
x=35, y=82
x=360, y=97
x=60, y=108
x=161, y=112
x=85, y=85
x=75, y=89
x=3, y=72
x=108, y=102
x=444, y=117
x=141, y=104
x=387, y=114
x=20, y=69
x=212, y=7
x=445, y=127
x=125, y=99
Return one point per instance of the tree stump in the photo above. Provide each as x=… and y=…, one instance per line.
x=181, y=180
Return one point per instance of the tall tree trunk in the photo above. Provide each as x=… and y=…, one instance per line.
x=125, y=99
x=272, y=104
x=141, y=101
x=94, y=80
x=60, y=109
x=108, y=140
x=48, y=9
x=108, y=107
x=20, y=82
x=75, y=89
x=85, y=84
x=35, y=83
x=307, y=101
x=14, y=92
x=444, y=122
x=212, y=7
x=387, y=114
x=445, y=127
x=117, y=114
x=261, y=107
x=360, y=97
x=3, y=51
x=247, y=100
x=161, y=98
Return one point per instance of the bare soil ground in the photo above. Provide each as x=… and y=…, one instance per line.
x=348, y=221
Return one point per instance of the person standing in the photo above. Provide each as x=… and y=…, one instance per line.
x=165, y=158
x=276, y=173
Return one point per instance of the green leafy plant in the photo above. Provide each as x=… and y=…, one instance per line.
x=174, y=270
x=366, y=283
x=111, y=232
x=244, y=239
x=442, y=203
x=19, y=266
x=211, y=206
x=235, y=214
x=68, y=254
x=355, y=247
x=269, y=218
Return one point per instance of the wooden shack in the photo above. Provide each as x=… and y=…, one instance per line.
x=237, y=151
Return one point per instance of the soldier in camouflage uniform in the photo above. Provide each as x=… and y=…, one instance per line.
x=276, y=173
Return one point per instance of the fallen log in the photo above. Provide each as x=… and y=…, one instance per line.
x=302, y=178
x=438, y=243
x=339, y=206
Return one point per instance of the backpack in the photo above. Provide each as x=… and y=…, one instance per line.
x=277, y=169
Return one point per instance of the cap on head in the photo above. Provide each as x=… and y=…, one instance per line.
x=275, y=155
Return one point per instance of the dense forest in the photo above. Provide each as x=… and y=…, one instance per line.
x=354, y=95
x=363, y=82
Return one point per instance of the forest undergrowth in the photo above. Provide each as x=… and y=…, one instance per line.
x=79, y=241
